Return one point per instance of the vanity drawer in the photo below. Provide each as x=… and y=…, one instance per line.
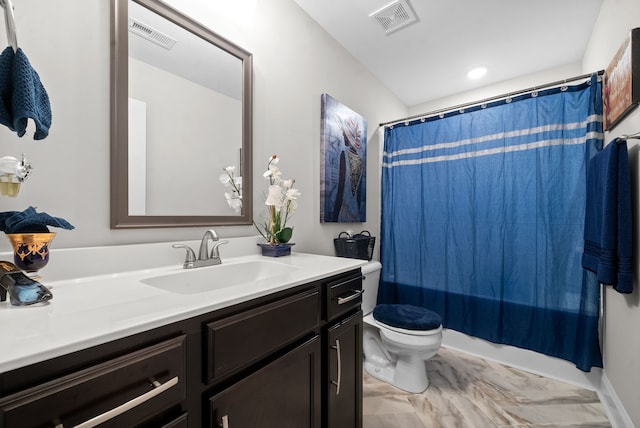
x=343, y=294
x=122, y=392
x=239, y=340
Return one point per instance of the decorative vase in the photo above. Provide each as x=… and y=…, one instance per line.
x=31, y=250
x=276, y=250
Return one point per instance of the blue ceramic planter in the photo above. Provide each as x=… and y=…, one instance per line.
x=276, y=250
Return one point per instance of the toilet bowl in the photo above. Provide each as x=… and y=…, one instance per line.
x=394, y=354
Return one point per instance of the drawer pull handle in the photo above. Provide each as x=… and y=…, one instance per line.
x=343, y=300
x=337, y=384
x=116, y=411
x=225, y=421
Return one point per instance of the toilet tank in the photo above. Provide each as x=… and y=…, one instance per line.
x=370, y=280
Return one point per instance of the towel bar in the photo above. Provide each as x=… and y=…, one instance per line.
x=10, y=23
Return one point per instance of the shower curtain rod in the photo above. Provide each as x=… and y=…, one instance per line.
x=486, y=100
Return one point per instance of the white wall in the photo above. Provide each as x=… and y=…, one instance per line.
x=295, y=61
x=621, y=312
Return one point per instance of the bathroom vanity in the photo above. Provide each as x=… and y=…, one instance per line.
x=283, y=351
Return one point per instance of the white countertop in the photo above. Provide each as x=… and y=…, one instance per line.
x=92, y=310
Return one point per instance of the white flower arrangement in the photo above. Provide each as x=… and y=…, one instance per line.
x=281, y=199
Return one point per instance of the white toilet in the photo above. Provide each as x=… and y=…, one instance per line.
x=394, y=354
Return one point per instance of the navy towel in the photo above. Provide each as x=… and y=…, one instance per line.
x=30, y=221
x=6, y=67
x=607, y=227
x=29, y=99
x=408, y=317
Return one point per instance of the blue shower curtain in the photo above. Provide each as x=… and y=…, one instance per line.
x=483, y=220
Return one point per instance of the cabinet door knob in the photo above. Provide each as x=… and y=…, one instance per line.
x=337, y=384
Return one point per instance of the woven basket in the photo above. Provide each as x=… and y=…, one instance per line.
x=358, y=246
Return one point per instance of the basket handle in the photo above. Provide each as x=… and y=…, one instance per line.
x=365, y=231
x=346, y=233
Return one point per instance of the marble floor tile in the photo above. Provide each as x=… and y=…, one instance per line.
x=561, y=414
x=390, y=420
x=387, y=404
x=468, y=392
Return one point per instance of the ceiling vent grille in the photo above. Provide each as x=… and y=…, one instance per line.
x=394, y=16
x=151, y=34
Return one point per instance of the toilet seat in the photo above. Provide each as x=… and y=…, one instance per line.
x=407, y=317
x=374, y=322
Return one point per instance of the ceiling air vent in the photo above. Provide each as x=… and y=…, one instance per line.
x=394, y=16
x=151, y=34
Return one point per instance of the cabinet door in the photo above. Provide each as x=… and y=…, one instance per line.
x=283, y=394
x=344, y=360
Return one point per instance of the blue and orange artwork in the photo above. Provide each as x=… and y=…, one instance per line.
x=343, y=186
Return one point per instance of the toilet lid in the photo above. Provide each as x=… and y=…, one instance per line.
x=408, y=317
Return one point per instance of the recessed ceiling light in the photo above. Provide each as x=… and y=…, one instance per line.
x=477, y=73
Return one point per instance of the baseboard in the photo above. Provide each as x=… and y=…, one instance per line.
x=616, y=412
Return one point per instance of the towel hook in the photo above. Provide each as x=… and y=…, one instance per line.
x=10, y=23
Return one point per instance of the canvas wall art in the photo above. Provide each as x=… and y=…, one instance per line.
x=343, y=163
x=622, y=81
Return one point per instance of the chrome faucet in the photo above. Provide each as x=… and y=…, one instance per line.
x=204, y=257
x=204, y=244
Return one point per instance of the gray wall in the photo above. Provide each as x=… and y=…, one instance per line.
x=621, y=314
x=295, y=61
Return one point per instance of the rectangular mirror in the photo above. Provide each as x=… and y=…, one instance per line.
x=181, y=111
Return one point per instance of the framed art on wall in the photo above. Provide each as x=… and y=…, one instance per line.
x=343, y=163
x=622, y=81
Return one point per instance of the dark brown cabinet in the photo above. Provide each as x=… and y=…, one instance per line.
x=343, y=351
x=344, y=392
x=274, y=361
x=283, y=394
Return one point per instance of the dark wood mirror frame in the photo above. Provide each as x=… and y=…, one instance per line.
x=120, y=217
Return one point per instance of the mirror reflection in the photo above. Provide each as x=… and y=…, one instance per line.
x=187, y=97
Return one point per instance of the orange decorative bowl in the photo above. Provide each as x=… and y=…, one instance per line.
x=31, y=250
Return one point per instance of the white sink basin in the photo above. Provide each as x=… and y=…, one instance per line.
x=204, y=279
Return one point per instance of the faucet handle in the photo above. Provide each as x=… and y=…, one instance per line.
x=190, y=257
x=214, y=251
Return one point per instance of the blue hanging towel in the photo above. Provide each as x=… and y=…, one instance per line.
x=29, y=99
x=607, y=229
x=6, y=68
